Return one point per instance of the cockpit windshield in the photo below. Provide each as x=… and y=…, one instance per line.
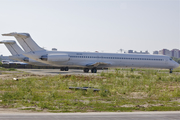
x=170, y=59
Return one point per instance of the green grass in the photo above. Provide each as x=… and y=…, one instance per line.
x=137, y=90
x=7, y=69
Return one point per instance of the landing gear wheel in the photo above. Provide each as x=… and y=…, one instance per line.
x=94, y=70
x=62, y=69
x=170, y=70
x=66, y=68
x=86, y=70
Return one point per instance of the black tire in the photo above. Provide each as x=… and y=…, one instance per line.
x=62, y=69
x=94, y=70
x=66, y=68
x=86, y=70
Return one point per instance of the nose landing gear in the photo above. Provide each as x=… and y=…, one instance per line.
x=170, y=70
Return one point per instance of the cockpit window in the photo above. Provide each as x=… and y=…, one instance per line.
x=170, y=59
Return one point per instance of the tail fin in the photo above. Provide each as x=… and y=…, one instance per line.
x=12, y=47
x=25, y=40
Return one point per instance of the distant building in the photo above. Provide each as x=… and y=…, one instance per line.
x=175, y=53
x=155, y=52
x=130, y=51
x=135, y=52
x=171, y=53
x=165, y=52
x=54, y=49
x=146, y=52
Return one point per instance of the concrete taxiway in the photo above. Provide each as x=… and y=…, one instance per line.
x=93, y=116
x=57, y=71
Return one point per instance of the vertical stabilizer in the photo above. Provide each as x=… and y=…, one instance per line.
x=12, y=47
x=25, y=40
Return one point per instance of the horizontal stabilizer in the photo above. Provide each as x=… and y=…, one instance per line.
x=7, y=42
x=22, y=35
x=9, y=34
x=97, y=64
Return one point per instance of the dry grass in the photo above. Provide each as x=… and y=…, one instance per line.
x=138, y=90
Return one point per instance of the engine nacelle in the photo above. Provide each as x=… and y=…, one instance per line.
x=55, y=57
x=17, y=57
x=26, y=59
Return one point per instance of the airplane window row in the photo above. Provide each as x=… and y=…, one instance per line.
x=116, y=58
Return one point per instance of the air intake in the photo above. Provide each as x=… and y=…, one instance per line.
x=26, y=59
x=44, y=57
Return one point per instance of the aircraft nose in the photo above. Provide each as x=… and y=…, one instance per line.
x=176, y=65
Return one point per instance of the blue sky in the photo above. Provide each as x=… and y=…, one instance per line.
x=94, y=25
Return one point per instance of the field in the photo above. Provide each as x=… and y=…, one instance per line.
x=121, y=90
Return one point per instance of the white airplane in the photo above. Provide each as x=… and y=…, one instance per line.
x=17, y=53
x=11, y=62
x=90, y=60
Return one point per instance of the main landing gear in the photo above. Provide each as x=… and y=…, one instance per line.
x=86, y=70
x=64, y=69
x=170, y=70
x=93, y=70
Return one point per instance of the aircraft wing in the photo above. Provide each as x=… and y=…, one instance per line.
x=95, y=64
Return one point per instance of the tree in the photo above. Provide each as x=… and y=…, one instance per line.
x=176, y=59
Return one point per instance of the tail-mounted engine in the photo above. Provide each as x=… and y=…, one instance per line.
x=26, y=59
x=55, y=57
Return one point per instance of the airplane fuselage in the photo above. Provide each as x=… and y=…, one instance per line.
x=85, y=59
x=90, y=60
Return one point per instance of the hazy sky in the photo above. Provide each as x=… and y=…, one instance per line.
x=94, y=25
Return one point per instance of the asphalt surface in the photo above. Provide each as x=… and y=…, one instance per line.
x=57, y=71
x=93, y=116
